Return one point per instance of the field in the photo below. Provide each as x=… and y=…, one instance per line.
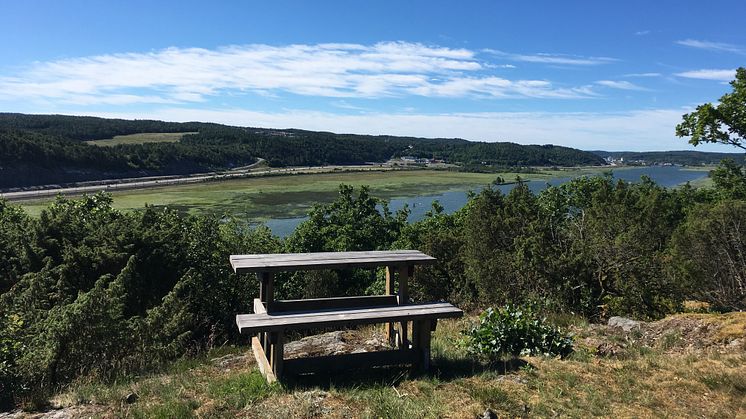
x=292, y=195
x=141, y=138
x=287, y=196
x=687, y=365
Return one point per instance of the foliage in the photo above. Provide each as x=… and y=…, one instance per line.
x=438, y=235
x=104, y=293
x=709, y=254
x=730, y=180
x=350, y=223
x=721, y=124
x=680, y=157
x=45, y=149
x=91, y=291
x=515, y=331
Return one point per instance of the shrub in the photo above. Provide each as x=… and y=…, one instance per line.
x=514, y=331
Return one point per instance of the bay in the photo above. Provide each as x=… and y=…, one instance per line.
x=453, y=200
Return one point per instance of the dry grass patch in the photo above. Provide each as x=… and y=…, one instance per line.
x=650, y=380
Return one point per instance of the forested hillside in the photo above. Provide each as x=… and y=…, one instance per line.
x=43, y=149
x=684, y=157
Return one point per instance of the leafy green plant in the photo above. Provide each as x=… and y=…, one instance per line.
x=514, y=331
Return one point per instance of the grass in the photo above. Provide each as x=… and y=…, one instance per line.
x=289, y=196
x=652, y=383
x=141, y=138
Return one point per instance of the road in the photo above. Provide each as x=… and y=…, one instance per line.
x=134, y=183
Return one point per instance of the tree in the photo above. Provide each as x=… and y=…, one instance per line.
x=724, y=123
x=709, y=254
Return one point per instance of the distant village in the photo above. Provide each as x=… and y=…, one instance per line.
x=613, y=161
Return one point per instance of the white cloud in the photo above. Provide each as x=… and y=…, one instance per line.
x=327, y=70
x=709, y=74
x=643, y=75
x=633, y=130
x=556, y=59
x=642, y=33
x=712, y=46
x=621, y=85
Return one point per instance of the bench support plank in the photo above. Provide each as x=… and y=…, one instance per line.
x=321, y=364
x=261, y=361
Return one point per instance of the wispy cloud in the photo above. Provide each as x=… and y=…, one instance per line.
x=621, y=85
x=557, y=59
x=632, y=130
x=709, y=74
x=712, y=46
x=643, y=75
x=390, y=69
x=642, y=33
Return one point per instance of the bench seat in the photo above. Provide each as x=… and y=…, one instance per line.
x=296, y=320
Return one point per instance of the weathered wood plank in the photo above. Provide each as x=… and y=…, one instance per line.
x=261, y=361
x=326, y=260
x=278, y=347
x=421, y=336
x=344, y=362
x=259, y=307
x=326, y=255
x=390, y=281
x=335, y=303
x=252, y=323
x=404, y=274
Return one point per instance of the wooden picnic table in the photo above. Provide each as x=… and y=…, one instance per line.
x=273, y=317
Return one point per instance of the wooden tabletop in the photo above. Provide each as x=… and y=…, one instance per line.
x=274, y=262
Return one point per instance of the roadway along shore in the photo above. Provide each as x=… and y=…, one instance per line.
x=135, y=183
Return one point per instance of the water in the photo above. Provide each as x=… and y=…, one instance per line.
x=453, y=200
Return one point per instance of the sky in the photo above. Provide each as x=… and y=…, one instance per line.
x=586, y=74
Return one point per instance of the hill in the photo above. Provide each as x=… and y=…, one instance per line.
x=683, y=157
x=611, y=372
x=44, y=149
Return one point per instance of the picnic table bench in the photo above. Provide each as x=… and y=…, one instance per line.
x=272, y=318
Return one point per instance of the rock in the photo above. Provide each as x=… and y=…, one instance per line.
x=625, y=323
x=230, y=360
x=488, y=414
x=611, y=350
x=736, y=344
x=130, y=398
x=333, y=343
x=512, y=378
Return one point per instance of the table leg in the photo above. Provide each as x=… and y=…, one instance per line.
x=405, y=272
x=266, y=289
x=276, y=358
x=390, y=329
x=421, y=338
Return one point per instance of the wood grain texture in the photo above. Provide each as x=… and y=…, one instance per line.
x=261, y=361
x=333, y=363
x=253, y=323
x=274, y=262
x=334, y=303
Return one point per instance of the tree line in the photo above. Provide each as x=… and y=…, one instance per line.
x=39, y=149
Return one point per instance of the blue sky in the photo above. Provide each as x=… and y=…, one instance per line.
x=586, y=74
